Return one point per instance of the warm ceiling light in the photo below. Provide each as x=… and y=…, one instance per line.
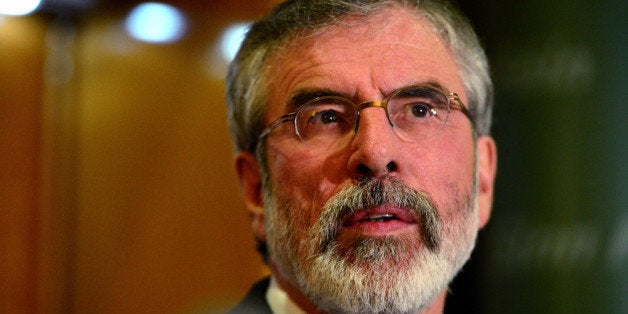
x=18, y=7
x=232, y=39
x=155, y=22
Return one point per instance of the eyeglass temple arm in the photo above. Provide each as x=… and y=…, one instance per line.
x=281, y=120
x=454, y=97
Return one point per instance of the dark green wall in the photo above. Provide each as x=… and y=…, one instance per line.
x=558, y=238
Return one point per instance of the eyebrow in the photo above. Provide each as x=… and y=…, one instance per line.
x=433, y=84
x=302, y=96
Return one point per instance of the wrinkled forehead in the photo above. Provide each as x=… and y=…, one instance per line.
x=382, y=45
x=374, y=24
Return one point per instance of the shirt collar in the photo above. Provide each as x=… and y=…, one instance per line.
x=279, y=301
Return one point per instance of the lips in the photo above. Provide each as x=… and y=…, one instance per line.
x=382, y=220
x=379, y=214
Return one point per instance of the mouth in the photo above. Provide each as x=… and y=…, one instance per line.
x=378, y=218
x=382, y=220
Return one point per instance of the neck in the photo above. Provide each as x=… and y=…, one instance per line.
x=436, y=307
x=293, y=293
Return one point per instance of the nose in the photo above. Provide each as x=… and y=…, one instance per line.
x=374, y=149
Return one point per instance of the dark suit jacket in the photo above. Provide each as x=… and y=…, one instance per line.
x=255, y=300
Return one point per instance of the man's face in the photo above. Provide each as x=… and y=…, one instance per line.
x=340, y=252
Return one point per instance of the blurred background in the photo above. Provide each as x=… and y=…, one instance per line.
x=118, y=194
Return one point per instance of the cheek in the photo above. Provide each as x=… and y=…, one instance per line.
x=303, y=178
x=446, y=170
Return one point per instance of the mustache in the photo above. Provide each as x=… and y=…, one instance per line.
x=371, y=192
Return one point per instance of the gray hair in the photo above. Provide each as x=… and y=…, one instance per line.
x=247, y=86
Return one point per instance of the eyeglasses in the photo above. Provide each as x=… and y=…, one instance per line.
x=415, y=112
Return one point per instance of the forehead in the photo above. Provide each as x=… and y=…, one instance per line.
x=363, y=57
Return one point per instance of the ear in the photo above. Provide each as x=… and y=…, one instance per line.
x=250, y=178
x=487, y=163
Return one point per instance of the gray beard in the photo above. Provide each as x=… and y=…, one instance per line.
x=393, y=274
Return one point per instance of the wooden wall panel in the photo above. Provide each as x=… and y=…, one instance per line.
x=118, y=193
x=21, y=64
x=161, y=225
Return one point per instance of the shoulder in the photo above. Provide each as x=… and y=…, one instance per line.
x=255, y=300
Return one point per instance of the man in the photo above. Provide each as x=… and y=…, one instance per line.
x=363, y=152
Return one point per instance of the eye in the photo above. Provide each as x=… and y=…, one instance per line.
x=325, y=113
x=416, y=103
x=323, y=117
x=419, y=110
x=327, y=117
